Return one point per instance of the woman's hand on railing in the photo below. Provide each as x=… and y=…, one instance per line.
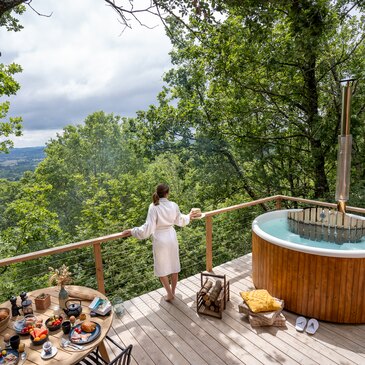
x=127, y=233
x=195, y=213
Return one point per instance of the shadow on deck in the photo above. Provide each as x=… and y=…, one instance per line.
x=164, y=333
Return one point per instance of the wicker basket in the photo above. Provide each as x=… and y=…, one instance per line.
x=4, y=322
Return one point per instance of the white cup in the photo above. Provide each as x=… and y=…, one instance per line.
x=47, y=347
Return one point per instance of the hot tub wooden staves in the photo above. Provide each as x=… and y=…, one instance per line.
x=327, y=288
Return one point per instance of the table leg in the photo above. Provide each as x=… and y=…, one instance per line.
x=103, y=351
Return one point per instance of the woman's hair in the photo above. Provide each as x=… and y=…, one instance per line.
x=161, y=191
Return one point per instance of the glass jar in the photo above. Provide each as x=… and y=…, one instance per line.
x=118, y=306
x=27, y=307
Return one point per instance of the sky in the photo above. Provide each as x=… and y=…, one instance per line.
x=78, y=61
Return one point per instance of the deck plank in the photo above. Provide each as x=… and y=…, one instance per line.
x=173, y=333
x=325, y=354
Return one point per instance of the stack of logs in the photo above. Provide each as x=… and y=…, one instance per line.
x=212, y=297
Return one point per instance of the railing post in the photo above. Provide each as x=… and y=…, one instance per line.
x=278, y=203
x=99, y=267
x=208, y=243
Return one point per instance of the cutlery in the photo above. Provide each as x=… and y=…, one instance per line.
x=67, y=343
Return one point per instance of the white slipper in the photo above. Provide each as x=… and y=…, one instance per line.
x=300, y=324
x=312, y=326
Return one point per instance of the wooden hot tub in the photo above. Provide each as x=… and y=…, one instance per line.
x=314, y=282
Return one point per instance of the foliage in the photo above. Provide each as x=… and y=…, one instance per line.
x=7, y=19
x=8, y=85
x=251, y=108
x=259, y=91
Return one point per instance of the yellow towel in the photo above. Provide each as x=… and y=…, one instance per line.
x=260, y=301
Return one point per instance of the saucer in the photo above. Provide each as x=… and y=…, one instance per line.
x=53, y=353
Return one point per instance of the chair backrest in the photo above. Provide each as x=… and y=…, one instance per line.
x=124, y=358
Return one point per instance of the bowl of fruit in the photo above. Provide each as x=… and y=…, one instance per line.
x=54, y=323
x=38, y=336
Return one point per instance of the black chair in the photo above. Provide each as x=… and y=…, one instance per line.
x=123, y=358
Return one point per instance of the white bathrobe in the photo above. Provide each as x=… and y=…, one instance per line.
x=160, y=224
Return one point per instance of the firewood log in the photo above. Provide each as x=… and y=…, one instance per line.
x=206, y=287
x=220, y=298
x=215, y=291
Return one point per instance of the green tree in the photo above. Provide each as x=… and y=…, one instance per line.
x=30, y=226
x=261, y=87
x=81, y=164
x=8, y=85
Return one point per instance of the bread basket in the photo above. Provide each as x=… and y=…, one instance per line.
x=4, y=322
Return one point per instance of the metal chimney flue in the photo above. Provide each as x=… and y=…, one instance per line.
x=344, y=148
x=323, y=224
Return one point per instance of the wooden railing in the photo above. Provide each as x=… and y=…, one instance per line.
x=96, y=242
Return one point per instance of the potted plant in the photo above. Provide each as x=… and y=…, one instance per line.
x=61, y=277
x=42, y=301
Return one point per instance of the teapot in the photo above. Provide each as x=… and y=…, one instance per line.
x=73, y=309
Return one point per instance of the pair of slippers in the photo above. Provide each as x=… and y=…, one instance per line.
x=312, y=325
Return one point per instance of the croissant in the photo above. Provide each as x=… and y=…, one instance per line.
x=88, y=326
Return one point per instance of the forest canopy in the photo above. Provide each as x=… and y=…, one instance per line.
x=251, y=108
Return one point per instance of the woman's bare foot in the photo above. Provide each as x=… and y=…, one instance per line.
x=169, y=298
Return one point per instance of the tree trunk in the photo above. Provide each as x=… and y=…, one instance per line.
x=321, y=187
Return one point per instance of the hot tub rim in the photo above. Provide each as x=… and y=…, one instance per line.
x=296, y=246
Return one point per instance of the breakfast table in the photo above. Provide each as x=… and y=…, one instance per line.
x=63, y=355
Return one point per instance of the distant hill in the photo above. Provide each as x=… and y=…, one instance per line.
x=19, y=160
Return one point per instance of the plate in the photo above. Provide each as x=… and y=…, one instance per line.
x=22, y=326
x=94, y=335
x=53, y=353
x=10, y=351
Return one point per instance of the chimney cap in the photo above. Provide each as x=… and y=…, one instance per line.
x=347, y=78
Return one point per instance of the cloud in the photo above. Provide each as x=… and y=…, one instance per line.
x=77, y=61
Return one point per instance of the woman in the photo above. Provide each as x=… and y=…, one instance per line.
x=161, y=218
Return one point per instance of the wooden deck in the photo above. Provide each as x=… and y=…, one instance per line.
x=164, y=333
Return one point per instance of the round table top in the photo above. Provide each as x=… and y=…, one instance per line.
x=63, y=355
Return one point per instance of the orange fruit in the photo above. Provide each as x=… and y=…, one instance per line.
x=42, y=337
x=37, y=339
